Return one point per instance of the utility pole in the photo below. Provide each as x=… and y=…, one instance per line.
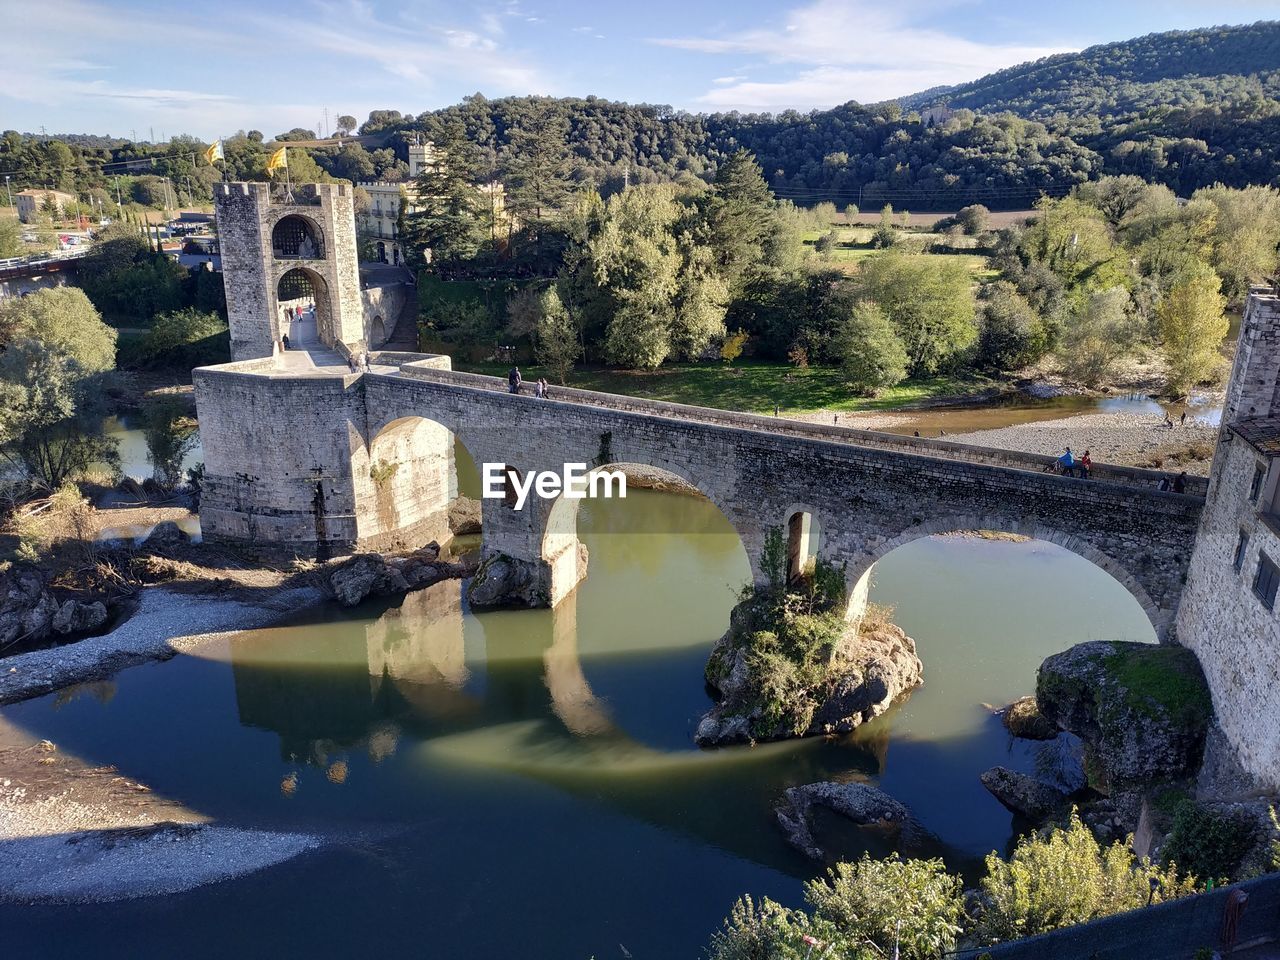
x=7, y=190
x=626, y=177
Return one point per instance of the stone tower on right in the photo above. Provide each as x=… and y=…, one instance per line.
x=1228, y=611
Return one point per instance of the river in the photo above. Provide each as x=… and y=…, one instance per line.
x=523, y=783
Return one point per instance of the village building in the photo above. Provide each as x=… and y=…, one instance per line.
x=31, y=203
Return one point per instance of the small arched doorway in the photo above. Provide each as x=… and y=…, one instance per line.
x=296, y=238
x=382, y=252
x=305, y=289
x=377, y=332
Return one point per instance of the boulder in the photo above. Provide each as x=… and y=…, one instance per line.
x=504, y=581
x=75, y=616
x=873, y=668
x=1023, y=719
x=371, y=574
x=1024, y=795
x=1142, y=710
x=27, y=608
x=166, y=533
x=464, y=516
x=863, y=804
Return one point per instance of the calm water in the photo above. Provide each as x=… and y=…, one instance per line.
x=135, y=459
x=523, y=784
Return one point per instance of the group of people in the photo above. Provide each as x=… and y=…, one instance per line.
x=359, y=362
x=541, y=389
x=294, y=314
x=1071, y=465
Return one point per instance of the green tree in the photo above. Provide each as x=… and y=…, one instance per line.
x=346, y=123
x=127, y=280
x=51, y=414
x=913, y=906
x=185, y=338
x=636, y=261
x=870, y=353
x=928, y=300
x=443, y=224
x=63, y=321
x=1097, y=334
x=740, y=216
x=974, y=219
x=1246, y=232
x=1192, y=327
x=885, y=236
x=557, y=341
x=10, y=239
x=538, y=168
x=1068, y=878
x=1012, y=334
x=1075, y=241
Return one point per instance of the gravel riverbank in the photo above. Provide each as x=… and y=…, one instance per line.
x=167, y=622
x=72, y=831
x=1120, y=438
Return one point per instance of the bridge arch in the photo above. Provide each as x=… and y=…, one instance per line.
x=858, y=574
x=304, y=287
x=406, y=474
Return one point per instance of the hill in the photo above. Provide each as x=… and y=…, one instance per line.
x=1180, y=68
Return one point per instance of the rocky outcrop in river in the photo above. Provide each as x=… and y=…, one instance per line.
x=1142, y=710
x=371, y=574
x=863, y=804
x=1023, y=794
x=871, y=667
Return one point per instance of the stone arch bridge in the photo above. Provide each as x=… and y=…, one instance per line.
x=315, y=459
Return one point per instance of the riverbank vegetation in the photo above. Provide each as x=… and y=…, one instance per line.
x=873, y=908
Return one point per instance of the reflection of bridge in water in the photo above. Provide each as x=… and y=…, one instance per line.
x=507, y=692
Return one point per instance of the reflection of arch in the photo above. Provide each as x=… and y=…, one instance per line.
x=858, y=574
x=571, y=697
x=560, y=534
x=301, y=287
x=296, y=238
x=409, y=473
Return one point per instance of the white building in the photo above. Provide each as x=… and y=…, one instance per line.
x=380, y=225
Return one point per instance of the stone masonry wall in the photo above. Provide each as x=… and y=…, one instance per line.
x=250, y=305
x=1235, y=636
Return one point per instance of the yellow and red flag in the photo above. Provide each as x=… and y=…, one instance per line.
x=214, y=152
x=278, y=161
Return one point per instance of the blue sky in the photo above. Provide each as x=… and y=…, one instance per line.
x=210, y=68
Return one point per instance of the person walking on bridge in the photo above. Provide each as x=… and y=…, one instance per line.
x=1068, y=463
x=513, y=379
x=1085, y=464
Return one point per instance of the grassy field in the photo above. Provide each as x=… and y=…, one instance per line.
x=853, y=245
x=753, y=387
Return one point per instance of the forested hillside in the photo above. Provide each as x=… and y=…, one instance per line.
x=1187, y=109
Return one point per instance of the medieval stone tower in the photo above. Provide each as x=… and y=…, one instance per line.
x=282, y=248
x=1228, y=614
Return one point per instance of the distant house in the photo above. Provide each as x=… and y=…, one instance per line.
x=31, y=203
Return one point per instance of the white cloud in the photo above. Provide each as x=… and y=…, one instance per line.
x=254, y=60
x=839, y=50
x=734, y=79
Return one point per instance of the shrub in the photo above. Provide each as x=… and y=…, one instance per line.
x=1206, y=844
x=1067, y=878
x=914, y=905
